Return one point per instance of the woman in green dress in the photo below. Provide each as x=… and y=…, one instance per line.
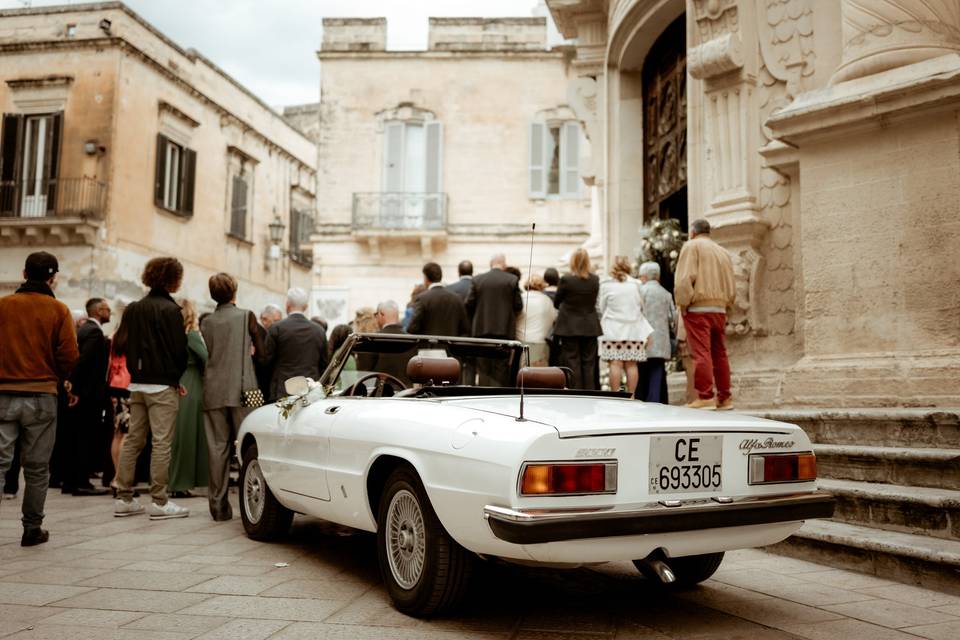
x=188, y=454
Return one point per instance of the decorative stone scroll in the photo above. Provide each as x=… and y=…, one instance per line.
x=884, y=34
x=716, y=57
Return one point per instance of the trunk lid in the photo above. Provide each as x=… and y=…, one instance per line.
x=586, y=416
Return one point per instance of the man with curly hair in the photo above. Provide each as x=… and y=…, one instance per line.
x=156, y=354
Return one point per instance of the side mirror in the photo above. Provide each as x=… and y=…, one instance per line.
x=297, y=386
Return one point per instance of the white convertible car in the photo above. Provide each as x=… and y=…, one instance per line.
x=389, y=441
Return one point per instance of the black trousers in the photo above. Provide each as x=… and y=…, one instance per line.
x=579, y=354
x=494, y=372
x=84, y=437
x=11, y=480
x=652, y=384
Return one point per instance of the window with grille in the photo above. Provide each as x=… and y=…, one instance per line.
x=239, y=209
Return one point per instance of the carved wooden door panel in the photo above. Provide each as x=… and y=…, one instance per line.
x=665, y=126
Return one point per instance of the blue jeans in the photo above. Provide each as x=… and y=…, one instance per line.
x=32, y=420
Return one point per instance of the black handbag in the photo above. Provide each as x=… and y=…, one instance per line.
x=249, y=398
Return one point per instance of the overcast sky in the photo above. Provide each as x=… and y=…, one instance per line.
x=270, y=45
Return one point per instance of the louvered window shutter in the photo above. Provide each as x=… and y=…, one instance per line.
x=538, y=160
x=159, y=174
x=56, y=140
x=238, y=207
x=433, y=209
x=570, y=160
x=9, y=155
x=393, y=157
x=188, y=174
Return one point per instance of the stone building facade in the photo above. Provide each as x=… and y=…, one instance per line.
x=445, y=154
x=820, y=138
x=117, y=146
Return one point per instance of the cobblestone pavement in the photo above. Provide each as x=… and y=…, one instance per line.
x=102, y=577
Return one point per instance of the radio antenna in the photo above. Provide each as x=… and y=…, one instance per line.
x=525, y=351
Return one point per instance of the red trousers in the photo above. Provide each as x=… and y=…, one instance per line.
x=705, y=337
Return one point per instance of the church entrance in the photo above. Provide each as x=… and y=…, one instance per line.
x=665, y=126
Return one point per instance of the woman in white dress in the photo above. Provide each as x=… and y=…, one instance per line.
x=535, y=322
x=626, y=332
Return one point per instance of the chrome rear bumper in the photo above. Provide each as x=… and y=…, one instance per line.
x=536, y=526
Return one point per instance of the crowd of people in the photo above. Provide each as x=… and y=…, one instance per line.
x=172, y=387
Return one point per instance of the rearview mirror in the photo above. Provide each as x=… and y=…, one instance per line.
x=297, y=386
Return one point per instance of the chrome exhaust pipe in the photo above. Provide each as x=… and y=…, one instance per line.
x=661, y=569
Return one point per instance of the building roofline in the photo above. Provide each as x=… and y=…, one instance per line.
x=558, y=52
x=189, y=53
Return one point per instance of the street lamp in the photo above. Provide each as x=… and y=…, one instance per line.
x=276, y=236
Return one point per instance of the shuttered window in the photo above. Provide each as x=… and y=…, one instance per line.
x=412, y=174
x=175, y=176
x=239, y=196
x=30, y=164
x=554, y=167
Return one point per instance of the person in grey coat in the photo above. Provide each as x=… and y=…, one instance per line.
x=661, y=313
x=231, y=336
x=295, y=346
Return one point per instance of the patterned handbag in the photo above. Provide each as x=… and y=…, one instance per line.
x=249, y=398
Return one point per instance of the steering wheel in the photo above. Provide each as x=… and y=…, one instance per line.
x=382, y=379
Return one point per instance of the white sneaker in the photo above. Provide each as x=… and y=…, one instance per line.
x=167, y=511
x=9, y=496
x=122, y=508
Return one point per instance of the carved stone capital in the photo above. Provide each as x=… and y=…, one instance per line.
x=884, y=34
x=716, y=57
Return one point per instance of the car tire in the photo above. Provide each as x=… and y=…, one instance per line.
x=688, y=570
x=264, y=518
x=429, y=572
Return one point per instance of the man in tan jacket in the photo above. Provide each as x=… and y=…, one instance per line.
x=704, y=289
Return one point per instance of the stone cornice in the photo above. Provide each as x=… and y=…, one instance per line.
x=903, y=91
x=554, y=53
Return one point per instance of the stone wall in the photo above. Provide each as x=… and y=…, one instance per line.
x=487, y=34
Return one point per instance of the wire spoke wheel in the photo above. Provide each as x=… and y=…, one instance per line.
x=406, y=539
x=254, y=488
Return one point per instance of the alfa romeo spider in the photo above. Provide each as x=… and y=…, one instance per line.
x=393, y=440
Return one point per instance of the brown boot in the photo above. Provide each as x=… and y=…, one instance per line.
x=726, y=405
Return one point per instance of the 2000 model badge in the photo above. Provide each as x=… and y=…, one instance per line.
x=753, y=443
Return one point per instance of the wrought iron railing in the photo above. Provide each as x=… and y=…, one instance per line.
x=57, y=198
x=400, y=211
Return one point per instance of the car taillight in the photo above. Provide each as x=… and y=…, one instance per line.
x=766, y=468
x=568, y=478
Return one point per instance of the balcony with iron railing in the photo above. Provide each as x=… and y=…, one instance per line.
x=399, y=215
x=60, y=210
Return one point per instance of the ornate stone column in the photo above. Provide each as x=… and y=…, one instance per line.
x=884, y=34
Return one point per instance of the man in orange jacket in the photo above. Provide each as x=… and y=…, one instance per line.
x=38, y=350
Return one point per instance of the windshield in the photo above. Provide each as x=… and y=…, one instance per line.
x=485, y=363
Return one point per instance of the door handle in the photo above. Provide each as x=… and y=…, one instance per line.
x=331, y=410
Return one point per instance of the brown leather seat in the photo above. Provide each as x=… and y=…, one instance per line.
x=542, y=378
x=433, y=371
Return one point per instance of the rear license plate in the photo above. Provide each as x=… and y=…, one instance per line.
x=684, y=464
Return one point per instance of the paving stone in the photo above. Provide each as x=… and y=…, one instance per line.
x=581, y=621
x=776, y=613
x=835, y=629
x=36, y=594
x=123, y=541
x=818, y=594
x=245, y=630
x=267, y=608
x=58, y=632
x=695, y=621
x=916, y=596
x=149, y=580
x=242, y=586
x=713, y=591
x=8, y=627
x=134, y=600
x=950, y=609
x=177, y=623
x=941, y=631
x=322, y=589
x=19, y=566
x=96, y=562
x=372, y=608
x=93, y=618
x=235, y=569
x=845, y=579
x=161, y=566
x=888, y=613
x=54, y=575
x=26, y=613
x=319, y=631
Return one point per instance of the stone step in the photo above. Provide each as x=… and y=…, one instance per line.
x=938, y=468
x=928, y=562
x=932, y=428
x=923, y=511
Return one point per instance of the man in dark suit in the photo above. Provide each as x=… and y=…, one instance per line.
x=85, y=442
x=494, y=303
x=468, y=366
x=462, y=286
x=394, y=364
x=295, y=346
x=438, y=311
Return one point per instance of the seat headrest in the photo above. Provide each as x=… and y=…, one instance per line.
x=433, y=371
x=542, y=378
